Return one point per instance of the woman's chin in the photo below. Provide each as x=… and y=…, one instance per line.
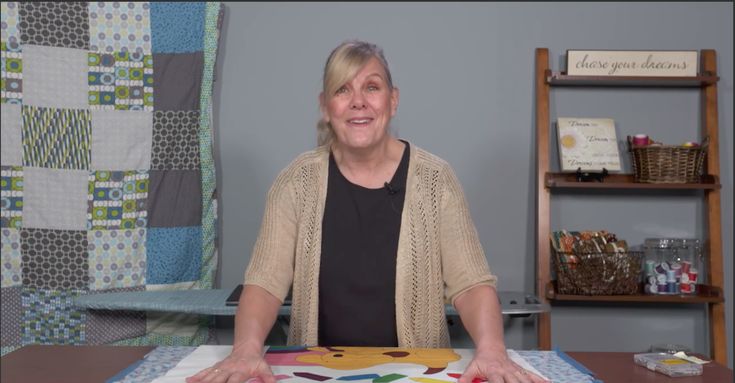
x=362, y=145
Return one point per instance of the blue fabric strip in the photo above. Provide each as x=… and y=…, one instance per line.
x=120, y=375
x=575, y=364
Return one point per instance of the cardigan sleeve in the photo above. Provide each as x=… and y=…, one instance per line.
x=272, y=261
x=463, y=260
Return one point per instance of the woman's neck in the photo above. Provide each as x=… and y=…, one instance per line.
x=371, y=167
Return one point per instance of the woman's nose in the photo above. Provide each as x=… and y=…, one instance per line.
x=357, y=102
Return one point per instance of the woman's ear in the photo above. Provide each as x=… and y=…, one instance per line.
x=323, y=108
x=394, y=96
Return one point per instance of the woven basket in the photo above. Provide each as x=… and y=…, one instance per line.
x=667, y=163
x=598, y=273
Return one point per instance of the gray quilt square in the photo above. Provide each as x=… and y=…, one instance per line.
x=55, y=199
x=175, y=140
x=106, y=326
x=54, y=259
x=52, y=23
x=121, y=139
x=55, y=77
x=10, y=316
x=11, y=149
x=175, y=198
x=177, y=80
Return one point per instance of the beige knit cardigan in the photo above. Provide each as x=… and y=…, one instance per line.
x=439, y=254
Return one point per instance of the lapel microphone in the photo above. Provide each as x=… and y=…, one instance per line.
x=390, y=189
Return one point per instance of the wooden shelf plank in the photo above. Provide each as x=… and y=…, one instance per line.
x=562, y=79
x=624, y=181
x=705, y=294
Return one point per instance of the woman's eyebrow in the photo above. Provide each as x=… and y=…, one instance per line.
x=375, y=74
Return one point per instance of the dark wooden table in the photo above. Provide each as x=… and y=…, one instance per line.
x=72, y=364
x=96, y=364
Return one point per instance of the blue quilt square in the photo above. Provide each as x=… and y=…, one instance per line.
x=174, y=254
x=177, y=27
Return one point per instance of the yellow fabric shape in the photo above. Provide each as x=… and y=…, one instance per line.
x=354, y=358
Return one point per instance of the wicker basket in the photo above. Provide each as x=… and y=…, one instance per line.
x=667, y=163
x=598, y=273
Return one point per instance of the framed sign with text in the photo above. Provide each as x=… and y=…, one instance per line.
x=632, y=63
x=589, y=144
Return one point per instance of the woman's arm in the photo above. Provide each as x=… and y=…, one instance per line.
x=256, y=314
x=479, y=309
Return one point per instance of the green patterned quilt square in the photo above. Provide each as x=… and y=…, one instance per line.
x=12, y=74
x=56, y=138
x=11, y=196
x=117, y=199
x=49, y=317
x=120, y=81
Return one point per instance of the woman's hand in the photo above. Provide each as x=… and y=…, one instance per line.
x=256, y=314
x=497, y=367
x=236, y=369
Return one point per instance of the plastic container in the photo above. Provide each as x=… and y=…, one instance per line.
x=669, y=348
x=667, y=364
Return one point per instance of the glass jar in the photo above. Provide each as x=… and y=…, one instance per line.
x=673, y=265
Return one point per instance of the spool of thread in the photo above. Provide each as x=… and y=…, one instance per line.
x=640, y=140
x=652, y=289
x=686, y=288
x=662, y=267
x=671, y=287
x=661, y=288
x=677, y=268
x=693, y=287
x=684, y=278
x=651, y=279
x=693, y=275
x=650, y=267
x=670, y=276
x=661, y=279
x=685, y=266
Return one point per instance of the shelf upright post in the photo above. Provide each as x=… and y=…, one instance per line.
x=710, y=128
x=543, y=194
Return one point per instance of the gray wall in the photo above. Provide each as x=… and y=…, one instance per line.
x=467, y=94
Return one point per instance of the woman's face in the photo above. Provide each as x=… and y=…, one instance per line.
x=361, y=109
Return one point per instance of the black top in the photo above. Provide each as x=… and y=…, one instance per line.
x=357, y=276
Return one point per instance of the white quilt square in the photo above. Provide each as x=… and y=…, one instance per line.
x=55, y=198
x=11, y=151
x=121, y=139
x=55, y=77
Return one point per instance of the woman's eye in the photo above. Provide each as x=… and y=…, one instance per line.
x=342, y=89
x=372, y=88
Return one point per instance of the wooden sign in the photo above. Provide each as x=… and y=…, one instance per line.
x=588, y=143
x=632, y=63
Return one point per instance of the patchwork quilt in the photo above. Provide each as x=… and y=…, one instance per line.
x=107, y=171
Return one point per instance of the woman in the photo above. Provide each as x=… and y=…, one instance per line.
x=372, y=234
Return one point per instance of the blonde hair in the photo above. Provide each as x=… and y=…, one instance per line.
x=342, y=65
